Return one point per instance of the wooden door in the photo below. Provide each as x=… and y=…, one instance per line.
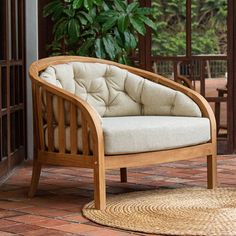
x=12, y=84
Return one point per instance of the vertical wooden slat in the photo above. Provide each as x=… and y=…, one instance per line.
x=8, y=91
x=21, y=14
x=2, y=30
x=231, y=83
x=49, y=110
x=142, y=44
x=73, y=128
x=212, y=171
x=39, y=117
x=13, y=29
x=21, y=27
x=176, y=73
x=202, y=77
x=0, y=89
x=61, y=125
x=99, y=175
x=188, y=28
x=0, y=113
x=85, y=136
x=35, y=122
x=12, y=83
x=148, y=43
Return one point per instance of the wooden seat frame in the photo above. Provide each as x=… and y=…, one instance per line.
x=91, y=123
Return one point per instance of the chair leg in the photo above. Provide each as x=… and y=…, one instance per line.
x=35, y=178
x=123, y=175
x=99, y=187
x=211, y=172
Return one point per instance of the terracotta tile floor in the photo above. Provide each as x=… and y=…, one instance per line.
x=56, y=210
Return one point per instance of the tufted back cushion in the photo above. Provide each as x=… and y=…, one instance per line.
x=116, y=92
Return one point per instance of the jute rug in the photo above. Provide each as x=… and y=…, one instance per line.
x=191, y=211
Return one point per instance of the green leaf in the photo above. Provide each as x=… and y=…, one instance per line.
x=109, y=24
x=69, y=12
x=86, y=46
x=82, y=20
x=105, y=6
x=109, y=47
x=147, y=21
x=120, y=5
x=49, y=8
x=132, y=7
x=109, y=13
x=60, y=30
x=74, y=28
x=88, y=32
x=138, y=25
x=130, y=41
x=99, y=49
x=123, y=60
x=123, y=22
x=77, y=4
x=58, y=24
x=88, y=4
x=98, y=2
x=58, y=12
x=102, y=18
x=118, y=37
x=87, y=16
x=144, y=11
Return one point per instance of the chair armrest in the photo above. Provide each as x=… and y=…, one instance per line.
x=90, y=121
x=195, y=96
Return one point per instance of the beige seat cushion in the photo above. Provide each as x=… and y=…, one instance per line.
x=116, y=92
x=135, y=134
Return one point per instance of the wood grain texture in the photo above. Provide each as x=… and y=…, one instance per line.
x=49, y=112
x=85, y=136
x=61, y=125
x=73, y=129
x=91, y=126
x=39, y=117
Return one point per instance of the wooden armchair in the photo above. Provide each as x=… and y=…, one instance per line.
x=98, y=114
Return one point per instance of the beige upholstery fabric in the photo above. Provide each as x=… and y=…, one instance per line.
x=116, y=92
x=67, y=139
x=134, y=134
x=153, y=133
x=137, y=115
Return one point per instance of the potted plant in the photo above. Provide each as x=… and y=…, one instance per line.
x=104, y=29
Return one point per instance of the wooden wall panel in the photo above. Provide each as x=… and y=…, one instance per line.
x=12, y=85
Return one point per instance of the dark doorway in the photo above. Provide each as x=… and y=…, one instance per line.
x=12, y=84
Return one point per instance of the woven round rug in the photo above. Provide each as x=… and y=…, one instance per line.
x=190, y=211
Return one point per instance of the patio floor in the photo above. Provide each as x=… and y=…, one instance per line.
x=56, y=210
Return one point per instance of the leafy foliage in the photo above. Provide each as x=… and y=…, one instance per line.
x=103, y=29
x=209, y=30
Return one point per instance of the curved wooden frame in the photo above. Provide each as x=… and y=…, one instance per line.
x=92, y=124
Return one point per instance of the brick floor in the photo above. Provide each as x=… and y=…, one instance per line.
x=62, y=192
